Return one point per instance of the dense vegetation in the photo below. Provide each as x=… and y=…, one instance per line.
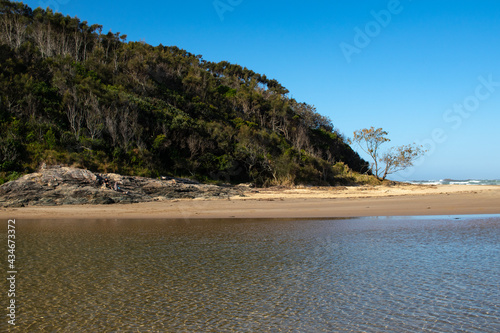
x=72, y=94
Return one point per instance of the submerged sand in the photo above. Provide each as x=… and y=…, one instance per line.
x=299, y=202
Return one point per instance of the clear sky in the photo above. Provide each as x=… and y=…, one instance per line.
x=425, y=71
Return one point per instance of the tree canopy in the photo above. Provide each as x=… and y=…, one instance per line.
x=393, y=160
x=72, y=94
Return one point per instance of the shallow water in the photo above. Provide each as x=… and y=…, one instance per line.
x=432, y=274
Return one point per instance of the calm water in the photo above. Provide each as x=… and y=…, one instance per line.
x=433, y=274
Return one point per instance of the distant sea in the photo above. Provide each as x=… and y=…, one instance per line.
x=458, y=182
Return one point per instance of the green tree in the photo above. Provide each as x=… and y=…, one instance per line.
x=400, y=158
x=81, y=95
x=393, y=160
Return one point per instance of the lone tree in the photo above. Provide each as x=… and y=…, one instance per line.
x=393, y=160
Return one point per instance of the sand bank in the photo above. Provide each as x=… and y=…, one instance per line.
x=305, y=202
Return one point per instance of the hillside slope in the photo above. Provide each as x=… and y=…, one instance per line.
x=72, y=95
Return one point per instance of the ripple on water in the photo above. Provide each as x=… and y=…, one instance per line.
x=386, y=275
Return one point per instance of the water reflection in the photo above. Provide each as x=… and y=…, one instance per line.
x=383, y=275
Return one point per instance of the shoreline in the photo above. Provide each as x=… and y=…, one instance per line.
x=300, y=202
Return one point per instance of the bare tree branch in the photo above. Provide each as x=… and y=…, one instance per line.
x=394, y=160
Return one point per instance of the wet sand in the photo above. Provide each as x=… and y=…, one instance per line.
x=300, y=202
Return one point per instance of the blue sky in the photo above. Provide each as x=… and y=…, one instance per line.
x=425, y=71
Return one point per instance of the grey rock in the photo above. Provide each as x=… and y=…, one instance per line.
x=59, y=185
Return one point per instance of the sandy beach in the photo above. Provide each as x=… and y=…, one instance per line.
x=300, y=202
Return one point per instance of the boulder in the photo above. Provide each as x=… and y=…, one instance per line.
x=60, y=185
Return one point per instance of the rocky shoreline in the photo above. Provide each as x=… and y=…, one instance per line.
x=60, y=185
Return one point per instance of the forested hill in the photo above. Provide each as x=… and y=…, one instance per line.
x=71, y=94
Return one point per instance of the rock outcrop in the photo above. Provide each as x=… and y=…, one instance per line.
x=58, y=185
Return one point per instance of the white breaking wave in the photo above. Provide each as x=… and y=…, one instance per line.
x=458, y=182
